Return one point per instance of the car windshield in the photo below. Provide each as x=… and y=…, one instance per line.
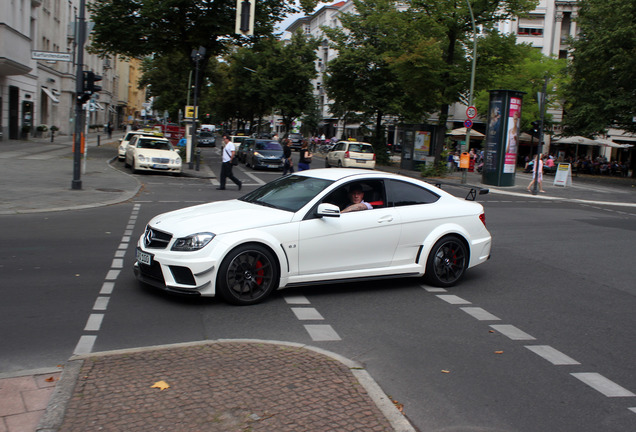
x=289, y=193
x=268, y=145
x=155, y=144
x=360, y=148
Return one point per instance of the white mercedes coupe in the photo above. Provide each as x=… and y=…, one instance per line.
x=293, y=232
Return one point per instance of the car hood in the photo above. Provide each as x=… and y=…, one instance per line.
x=157, y=153
x=219, y=218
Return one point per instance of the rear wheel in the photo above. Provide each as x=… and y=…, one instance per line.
x=247, y=275
x=447, y=262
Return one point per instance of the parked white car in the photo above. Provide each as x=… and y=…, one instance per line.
x=123, y=143
x=148, y=153
x=351, y=154
x=292, y=232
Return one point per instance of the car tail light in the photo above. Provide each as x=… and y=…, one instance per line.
x=482, y=218
x=373, y=156
x=346, y=155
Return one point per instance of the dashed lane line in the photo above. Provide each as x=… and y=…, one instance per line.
x=511, y=332
x=603, y=385
x=552, y=355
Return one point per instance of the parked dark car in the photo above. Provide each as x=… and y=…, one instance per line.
x=206, y=139
x=264, y=154
x=296, y=140
x=242, y=148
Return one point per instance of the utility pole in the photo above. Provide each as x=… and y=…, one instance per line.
x=472, y=82
x=79, y=90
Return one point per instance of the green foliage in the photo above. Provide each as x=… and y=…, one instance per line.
x=602, y=90
x=526, y=74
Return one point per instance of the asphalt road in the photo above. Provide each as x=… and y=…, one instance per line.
x=539, y=338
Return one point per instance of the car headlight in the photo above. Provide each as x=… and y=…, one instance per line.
x=192, y=243
x=141, y=158
x=258, y=155
x=177, y=160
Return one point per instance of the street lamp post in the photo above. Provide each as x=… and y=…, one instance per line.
x=79, y=90
x=472, y=81
x=196, y=55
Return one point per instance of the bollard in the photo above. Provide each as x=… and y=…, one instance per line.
x=98, y=137
x=198, y=159
x=52, y=135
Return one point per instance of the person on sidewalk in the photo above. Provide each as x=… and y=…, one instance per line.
x=229, y=152
x=537, y=175
x=305, y=157
x=288, y=163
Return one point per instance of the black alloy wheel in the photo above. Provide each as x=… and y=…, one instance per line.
x=247, y=275
x=447, y=262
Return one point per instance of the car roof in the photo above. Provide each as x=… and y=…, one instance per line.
x=355, y=142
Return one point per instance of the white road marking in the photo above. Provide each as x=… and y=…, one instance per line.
x=85, y=345
x=552, y=355
x=453, y=299
x=117, y=263
x=633, y=409
x=120, y=253
x=511, y=332
x=297, y=299
x=107, y=288
x=306, y=313
x=603, y=385
x=322, y=332
x=94, y=322
x=101, y=303
x=480, y=314
x=433, y=289
x=112, y=274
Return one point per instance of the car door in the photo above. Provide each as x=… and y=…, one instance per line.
x=354, y=244
x=333, y=155
x=417, y=209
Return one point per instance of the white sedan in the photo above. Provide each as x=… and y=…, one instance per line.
x=292, y=232
x=123, y=143
x=147, y=153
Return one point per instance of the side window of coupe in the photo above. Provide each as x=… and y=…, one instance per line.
x=401, y=193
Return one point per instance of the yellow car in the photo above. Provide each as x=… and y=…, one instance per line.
x=351, y=154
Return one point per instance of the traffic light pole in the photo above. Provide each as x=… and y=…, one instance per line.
x=79, y=90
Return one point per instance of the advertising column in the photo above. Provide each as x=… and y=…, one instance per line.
x=502, y=137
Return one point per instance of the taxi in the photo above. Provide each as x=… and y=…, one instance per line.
x=351, y=154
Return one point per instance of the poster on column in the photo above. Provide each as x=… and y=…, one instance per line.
x=512, y=135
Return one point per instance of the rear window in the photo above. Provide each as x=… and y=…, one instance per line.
x=360, y=148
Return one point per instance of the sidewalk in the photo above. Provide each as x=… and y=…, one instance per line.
x=212, y=385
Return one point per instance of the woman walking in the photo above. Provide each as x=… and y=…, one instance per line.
x=305, y=157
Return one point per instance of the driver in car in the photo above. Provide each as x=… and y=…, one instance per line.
x=356, y=196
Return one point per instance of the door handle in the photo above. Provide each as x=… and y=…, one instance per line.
x=387, y=218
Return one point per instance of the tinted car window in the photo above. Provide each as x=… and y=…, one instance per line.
x=401, y=193
x=154, y=144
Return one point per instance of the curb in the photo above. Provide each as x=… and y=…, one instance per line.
x=56, y=408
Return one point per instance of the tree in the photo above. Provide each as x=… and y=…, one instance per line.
x=527, y=74
x=602, y=91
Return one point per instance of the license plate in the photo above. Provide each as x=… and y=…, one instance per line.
x=160, y=166
x=362, y=161
x=143, y=257
x=273, y=166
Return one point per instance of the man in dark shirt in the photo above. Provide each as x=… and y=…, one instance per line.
x=288, y=164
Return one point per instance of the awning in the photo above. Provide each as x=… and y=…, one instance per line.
x=577, y=140
x=96, y=106
x=111, y=109
x=461, y=132
x=613, y=144
x=50, y=94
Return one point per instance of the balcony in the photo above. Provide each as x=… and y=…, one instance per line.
x=16, y=56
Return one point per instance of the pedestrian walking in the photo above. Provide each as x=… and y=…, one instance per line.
x=288, y=163
x=537, y=175
x=229, y=153
x=305, y=157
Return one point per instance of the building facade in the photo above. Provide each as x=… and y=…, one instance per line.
x=38, y=52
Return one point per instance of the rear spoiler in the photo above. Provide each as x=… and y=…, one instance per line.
x=473, y=190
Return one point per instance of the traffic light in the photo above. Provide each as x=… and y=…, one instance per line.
x=88, y=85
x=245, y=17
x=535, y=127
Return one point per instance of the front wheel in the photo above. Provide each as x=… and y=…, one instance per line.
x=447, y=262
x=247, y=275
x=327, y=163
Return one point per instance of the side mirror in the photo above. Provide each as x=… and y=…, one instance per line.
x=328, y=210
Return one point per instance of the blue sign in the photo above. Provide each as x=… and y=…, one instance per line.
x=468, y=123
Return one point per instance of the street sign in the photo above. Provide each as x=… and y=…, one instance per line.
x=190, y=112
x=471, y=112
x=468, y=124
x=51, y=56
